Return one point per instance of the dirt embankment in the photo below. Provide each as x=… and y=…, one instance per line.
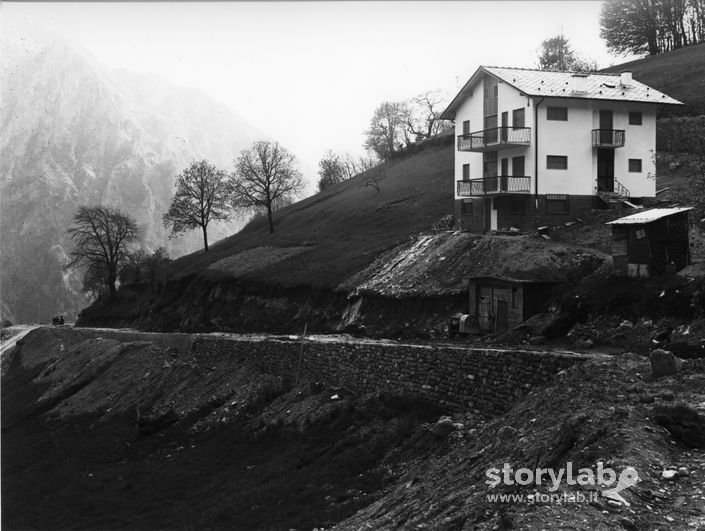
x=106, y=429
x=428, y=273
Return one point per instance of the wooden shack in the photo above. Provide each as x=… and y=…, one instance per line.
x=651, y=242
x=501, y=303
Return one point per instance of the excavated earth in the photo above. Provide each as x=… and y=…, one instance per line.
x=122, y=429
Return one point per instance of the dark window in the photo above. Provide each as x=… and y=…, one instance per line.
x=518, y=118
x=557, y=113
x=466, y=208
x=518, y=165
x=634, y=118
x=517, y=205
x=635, y=165
x=466, y=127
x=514, y=297
x=556, y=162
x=556, y=204
x=466, y=172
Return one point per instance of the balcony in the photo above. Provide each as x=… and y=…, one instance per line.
x=608, y=138
x=495, y=138
x=494, y=186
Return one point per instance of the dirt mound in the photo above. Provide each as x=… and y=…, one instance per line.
x=440, y=264
x=597, y=412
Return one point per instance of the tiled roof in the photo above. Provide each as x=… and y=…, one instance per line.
x=560, y=85
x=648, y=216
x=597, y=86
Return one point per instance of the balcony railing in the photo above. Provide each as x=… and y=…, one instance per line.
x=495, y=138
x=608, y=138
x=495, y=186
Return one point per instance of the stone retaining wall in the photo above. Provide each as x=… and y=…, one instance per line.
x=486, y=381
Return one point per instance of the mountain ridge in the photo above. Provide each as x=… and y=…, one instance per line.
x=80, y=133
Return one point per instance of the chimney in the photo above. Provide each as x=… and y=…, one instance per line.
x=625, y=78
x=579, y=83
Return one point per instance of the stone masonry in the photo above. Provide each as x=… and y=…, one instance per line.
x=486, y=381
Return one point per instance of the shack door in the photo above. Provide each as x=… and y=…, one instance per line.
x=502, y=315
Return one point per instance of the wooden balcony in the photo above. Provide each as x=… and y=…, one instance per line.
x=491, y=186
x=495, y=138
x=608, y=138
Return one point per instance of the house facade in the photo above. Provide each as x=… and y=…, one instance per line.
x=537, y=147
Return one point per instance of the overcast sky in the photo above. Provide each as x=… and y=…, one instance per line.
x=311, y=73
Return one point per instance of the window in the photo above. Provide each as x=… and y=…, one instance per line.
x=466, y=127
x=518, y=165
x=518, y=118
x=635, y=165
x=557, y=113
x=466, y=172
x=466, y=208
x=556, y=204
x=515, y=298
x=634, y=118
x=556, y=162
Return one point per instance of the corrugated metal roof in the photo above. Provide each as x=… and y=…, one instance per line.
x=560, y=85
x=648, y=216
x=597, y=86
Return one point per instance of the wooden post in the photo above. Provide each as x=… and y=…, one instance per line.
x=301, y=355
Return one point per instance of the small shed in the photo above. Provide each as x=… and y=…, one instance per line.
x=501, y=303
x=651, y=242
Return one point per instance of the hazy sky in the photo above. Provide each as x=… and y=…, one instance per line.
x=311, y=73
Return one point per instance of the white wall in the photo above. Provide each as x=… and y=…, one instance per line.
x=572, y=138
x=639, y=143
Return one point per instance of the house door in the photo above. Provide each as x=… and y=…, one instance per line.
x=605, y=170
x=606, y=126
x=505, y=125
x=505, y=173
x=502, y=317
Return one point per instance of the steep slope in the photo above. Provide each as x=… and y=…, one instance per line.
x=680, y=74
x=78, y=133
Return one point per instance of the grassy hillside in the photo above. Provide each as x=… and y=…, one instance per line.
x=680, y=74
x=325, y=238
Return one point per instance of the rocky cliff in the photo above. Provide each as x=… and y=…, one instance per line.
x=76, y=132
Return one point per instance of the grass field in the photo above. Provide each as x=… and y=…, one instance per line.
x=340, y=231
x=679, y=74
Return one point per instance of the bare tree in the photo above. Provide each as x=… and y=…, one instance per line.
x=265, y=178
x=422, y=116
x=375, y=176
x=202, y=195
x=387, y=133
x=102, y=236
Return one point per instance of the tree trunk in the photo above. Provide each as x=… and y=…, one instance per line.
x=205, y=239
x=269, y=216
x=111, y=286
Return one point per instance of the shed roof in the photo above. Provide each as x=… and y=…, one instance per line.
x=558, y=84
x=513, y=280
x=648, y=216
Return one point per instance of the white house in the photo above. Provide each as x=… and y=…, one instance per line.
x=537, y=147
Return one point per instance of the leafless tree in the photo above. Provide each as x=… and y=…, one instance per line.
x=422, y=115
x=265, y=178
x=202, y=195
x=375, y=176
x=387, y=133
x=102, y=236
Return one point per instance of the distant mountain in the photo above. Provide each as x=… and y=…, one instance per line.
x=75, y=132
x=680, y=74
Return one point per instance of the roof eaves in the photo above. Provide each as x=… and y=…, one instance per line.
x=449, y=112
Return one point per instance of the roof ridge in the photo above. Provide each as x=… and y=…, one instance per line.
x=551, y=71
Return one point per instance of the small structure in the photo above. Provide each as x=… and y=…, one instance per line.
x=501, y=303
x=651, y=242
